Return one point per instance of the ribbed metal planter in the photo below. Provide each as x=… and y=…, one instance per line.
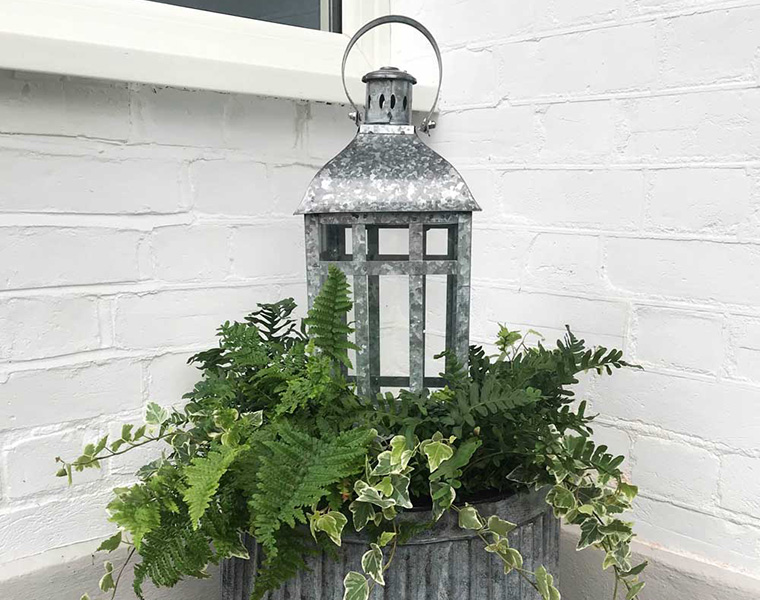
x=444, y=563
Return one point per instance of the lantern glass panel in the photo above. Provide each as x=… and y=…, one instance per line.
x=387, y=243
x=335, y=242
x=435, y=324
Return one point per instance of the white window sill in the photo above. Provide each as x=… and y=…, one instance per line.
x=149, y=42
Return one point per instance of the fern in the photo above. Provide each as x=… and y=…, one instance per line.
x=275, y=323
x=172, y=551
x=203, y=477
x=297, y=471
x=327, y=318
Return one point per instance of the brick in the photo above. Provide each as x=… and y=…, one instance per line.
x=30, y=464
x=644, y=7
x=745, y=348
x=740, y=484
x=177, y=117
x=287, y=186
x=230, y=187
x=49, y=257
x=263, y=126
x=471, y=76
x=591, y=198
x=54, y=105
x=253, y=254
x=55, y=395
x=181, y=318
x=456, y=22
x=685, y=269
x=325, y=128
x=35, y=182
x=48, y=326
x=683, y=530
x=668, y=469
x=607, y=60
x=558, y=13
x=501, y=254
x=578, y=132
x=599, y=320
x=705, y=409
x=191, y=253
x=170, y=377
x=28, y=530
x=711, y=47
x=560, y=261
x=661, y=333
x=505, y=132
x=712, y=200
x=719, y=125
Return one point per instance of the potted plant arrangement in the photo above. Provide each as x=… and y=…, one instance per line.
x=276, y=463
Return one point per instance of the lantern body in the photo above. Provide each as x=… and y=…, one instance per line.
x=387, y=178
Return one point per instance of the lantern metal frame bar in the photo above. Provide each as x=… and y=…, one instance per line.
x=326, y=233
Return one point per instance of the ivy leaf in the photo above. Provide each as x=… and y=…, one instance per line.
x=436, y=453
x=470, y=519
x=155, y=414
x=443, y=496
x=634, y=590
x=85, y=597
x=561, y=498
x=385, y=538
x=590, y=534
x=111, y=543
x=400, y=493
x=384, y=465
x=512, y=560
x=401, y=454
x=636, y=570
x=362, y=513
x=545, y=583
x=372, y=563
x=355, y=586
x=366, y=493
x=106, y=582
x=628, y=490
x=332, y=524
x=385, y=486
x=499, y=526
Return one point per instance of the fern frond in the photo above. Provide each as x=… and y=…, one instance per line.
x=202, y=476
x=327, y=318
x=295, y=472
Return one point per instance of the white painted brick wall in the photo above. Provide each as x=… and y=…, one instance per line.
x=616, y=155
x=615, y=146
x=133, y=221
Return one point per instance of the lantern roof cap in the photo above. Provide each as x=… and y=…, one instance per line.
x=384, y=73
x=387, y=168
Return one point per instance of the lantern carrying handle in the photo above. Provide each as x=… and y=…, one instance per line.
x=427, y=123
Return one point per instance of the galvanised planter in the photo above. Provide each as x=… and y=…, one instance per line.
x=443, y=563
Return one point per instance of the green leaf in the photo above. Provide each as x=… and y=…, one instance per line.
x=384, y=465
x=366, y=493
x=385, y=538
x=636, y=570
x=469, y=518
x=203, y=475
x=401, y=454
x=106, y=582
x=372, y=563
x=443, y=496
x=155, y=414
x=362, y=512
x=590, y=534
x=332, y=524
x=545, y=583
x=385, y=486
x=436, y=453
x=628, y=490
x=634, y=590
x=62, y=472
x=561, y=498
x=355, y=586
x=85, y=597
x=111, y=543
x=499, y=526
x=400, y=493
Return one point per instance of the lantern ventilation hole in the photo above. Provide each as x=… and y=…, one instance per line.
x=382, y=100
x=369, y=101
x=393, y=101
x=406, y=102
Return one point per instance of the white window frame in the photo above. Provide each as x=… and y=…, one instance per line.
x=151, y=42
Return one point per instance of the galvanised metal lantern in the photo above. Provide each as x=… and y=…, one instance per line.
x=388, y=180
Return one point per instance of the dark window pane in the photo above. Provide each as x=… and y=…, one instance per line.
x=299, y=13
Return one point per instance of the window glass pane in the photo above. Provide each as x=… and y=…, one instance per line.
x=299, y=13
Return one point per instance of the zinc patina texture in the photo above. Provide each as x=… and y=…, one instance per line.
x=442, y=563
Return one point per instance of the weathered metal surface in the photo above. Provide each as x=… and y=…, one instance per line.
x=389, y=97
x=387, y=173
x=443, y=563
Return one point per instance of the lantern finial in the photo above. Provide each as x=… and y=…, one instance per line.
x=389, y=97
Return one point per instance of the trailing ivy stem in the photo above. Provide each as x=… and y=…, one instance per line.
x=615, y=591
x=520, y=571
x=149, y=440
x=121, y=572
x=393, y=550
